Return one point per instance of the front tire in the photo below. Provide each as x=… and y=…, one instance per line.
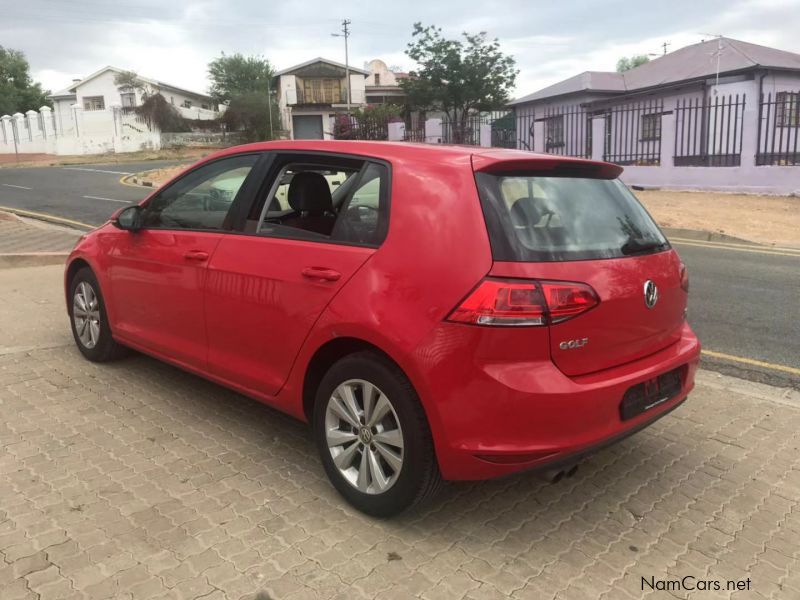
x=373, y=436
x=89, y=319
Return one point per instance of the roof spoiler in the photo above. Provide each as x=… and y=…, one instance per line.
x=544, y=165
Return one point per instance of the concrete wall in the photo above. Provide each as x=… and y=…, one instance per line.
x=197, y=139
x=75, y=131
x=746, y=179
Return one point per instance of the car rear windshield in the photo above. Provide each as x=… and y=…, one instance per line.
x=533, y=218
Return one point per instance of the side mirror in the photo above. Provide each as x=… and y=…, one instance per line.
x=129, y=218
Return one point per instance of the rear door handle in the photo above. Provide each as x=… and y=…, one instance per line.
x=321, y=273
x=197, y=255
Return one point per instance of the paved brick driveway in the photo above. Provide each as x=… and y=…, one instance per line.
x=135, y=480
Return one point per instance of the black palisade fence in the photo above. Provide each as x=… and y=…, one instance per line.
x=633, y=133
x=504, y=128
x=414, y=134
x=567, y=131
x=708, y=132
x=462, y=131
x=779, y=129
x=361, y=127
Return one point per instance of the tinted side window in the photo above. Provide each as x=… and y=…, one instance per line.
x=201, y=199
x=364, y=219
x=336, y=199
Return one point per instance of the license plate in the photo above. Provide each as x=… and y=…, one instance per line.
x=649, y=394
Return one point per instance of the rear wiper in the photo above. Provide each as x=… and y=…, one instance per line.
x=637, y=245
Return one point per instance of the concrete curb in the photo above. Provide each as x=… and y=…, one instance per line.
x=32, y=259
x=136, y=180
x=707, y=236
x=50, y=219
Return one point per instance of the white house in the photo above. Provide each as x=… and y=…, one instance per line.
x=312, y=93
x=99, y=92
x=383, y=84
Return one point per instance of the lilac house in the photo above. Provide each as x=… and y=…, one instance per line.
x=719, y=115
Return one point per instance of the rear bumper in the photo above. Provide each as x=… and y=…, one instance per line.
x=499, y=418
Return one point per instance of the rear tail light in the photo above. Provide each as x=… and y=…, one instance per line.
x=684, y=278
x=520, y=303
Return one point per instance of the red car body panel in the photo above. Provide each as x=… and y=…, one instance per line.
x=498, y=399
x=248, y=296
x=621, y=324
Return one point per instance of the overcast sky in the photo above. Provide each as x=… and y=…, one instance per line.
x=173, y=40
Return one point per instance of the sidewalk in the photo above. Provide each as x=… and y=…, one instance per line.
x=27, y=242
x=134, y=479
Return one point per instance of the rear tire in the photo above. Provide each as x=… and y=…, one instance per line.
x=89, y=319
x=373, y=436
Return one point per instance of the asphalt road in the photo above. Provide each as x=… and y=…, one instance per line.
x=744, y=303
x=85, y=193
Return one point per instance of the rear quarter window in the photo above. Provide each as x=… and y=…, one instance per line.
x=540, y=218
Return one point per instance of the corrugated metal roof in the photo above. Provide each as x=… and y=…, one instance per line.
x=691, y=62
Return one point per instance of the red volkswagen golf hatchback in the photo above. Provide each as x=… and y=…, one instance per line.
x=435, y=312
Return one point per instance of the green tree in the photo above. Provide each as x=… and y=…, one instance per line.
x=129, y=81
x=247, y=113
x=18, y=92
x=626, y=64
x=238, y=75
x=457, y=76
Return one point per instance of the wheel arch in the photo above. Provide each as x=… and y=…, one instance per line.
x=72, y=268
x=334, y=350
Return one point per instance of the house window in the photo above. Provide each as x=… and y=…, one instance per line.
x=187, y=104
x=787, y=109
x=651, y=128
x=554, y=131
x=128, y=99
x=172, y=99
x=204, y=106
x=322, y=91
x=377, y=78
x=94, y=103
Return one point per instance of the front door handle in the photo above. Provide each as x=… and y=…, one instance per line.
x=197, y=255
x=321, y=273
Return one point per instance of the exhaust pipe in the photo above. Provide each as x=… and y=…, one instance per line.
x=556, y=475
x=553, y=475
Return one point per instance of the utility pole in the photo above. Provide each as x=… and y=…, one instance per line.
x=665, y=45
x=269, y=107
x=346, y=34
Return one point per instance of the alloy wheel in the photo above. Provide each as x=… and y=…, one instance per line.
x=86, y=314
x=364, y=436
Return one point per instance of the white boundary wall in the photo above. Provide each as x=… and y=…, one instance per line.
x=75, y=132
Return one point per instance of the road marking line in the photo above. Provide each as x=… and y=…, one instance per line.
x=96, y=170
x=733, y=245
x=109, y=199
x=751, y=361
x=755, y=250
x=46, y=217
x=19, y=187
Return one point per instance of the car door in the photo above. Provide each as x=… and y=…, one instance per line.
x=157, y=273
x=267, y=287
